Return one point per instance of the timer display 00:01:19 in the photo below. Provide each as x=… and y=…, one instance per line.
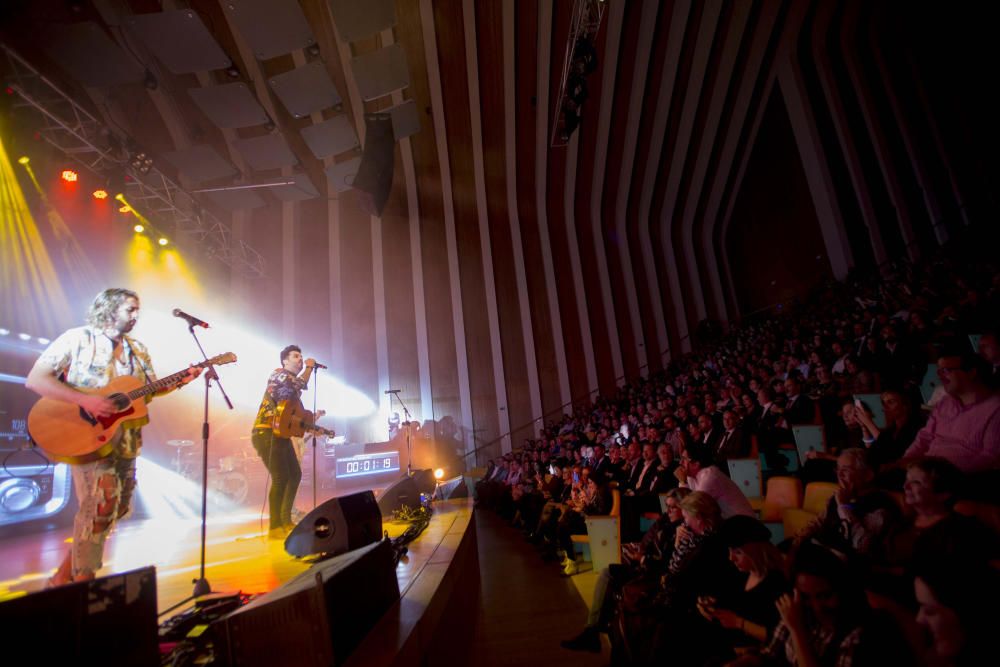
x=367, y=464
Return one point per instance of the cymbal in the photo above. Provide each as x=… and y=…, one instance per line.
x=180, y=443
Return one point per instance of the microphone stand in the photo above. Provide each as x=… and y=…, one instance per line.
x=201, y=585
x=315, y=379
x=406, y=424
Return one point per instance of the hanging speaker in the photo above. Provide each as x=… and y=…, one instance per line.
x=374, y=178
x=338, y=525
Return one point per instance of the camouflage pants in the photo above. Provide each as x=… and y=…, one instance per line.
x=104, y=490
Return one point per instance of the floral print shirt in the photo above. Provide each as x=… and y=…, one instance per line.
x=84, y=357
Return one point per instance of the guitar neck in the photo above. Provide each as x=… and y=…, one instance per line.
x=158, y=385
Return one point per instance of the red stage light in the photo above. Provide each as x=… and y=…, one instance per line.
x=69, y=175
x=100, y=194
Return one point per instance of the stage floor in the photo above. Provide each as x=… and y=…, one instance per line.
x=238, y=555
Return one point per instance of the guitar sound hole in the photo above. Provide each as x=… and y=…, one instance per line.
x=120, y=400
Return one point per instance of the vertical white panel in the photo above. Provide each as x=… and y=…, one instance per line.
x=668, y=75
x=576, y=265
x=643, y=54
x=616, y=15
x=541, y=192
x=441, y=133
x=510, y=128
x=485, y=243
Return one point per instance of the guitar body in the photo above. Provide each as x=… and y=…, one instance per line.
x=66, y=433
x=292, y=420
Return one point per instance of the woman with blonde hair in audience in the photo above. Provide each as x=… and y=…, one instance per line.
x=749, y=615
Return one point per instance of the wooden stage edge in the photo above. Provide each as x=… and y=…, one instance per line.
x=438, y=578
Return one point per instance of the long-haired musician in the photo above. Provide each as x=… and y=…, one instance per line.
x=87, y=358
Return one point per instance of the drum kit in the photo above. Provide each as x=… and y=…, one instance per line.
x=228, y=479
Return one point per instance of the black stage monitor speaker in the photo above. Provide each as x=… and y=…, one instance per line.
x=338, y=525
x=107, y=621
x=316, y=619
x=452, y=488
x=401, y=493
x=374, y=178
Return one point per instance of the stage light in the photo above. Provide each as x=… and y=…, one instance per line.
x=163, y=241
x=43, y=341
x=24, y=336
x=139, y=229
x=100, y=194
x=4, y=332
x=120, y=197
x=439, y=473
x=69, y=175
x=24, y=159
x=124, y=209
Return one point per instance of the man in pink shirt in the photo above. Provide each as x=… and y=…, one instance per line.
x=965, y=425
x=697, y=473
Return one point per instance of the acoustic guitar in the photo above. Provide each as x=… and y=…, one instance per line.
x=292, y=420
x=70, y=434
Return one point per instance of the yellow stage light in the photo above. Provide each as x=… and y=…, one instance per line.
x=124, y=209
x=24, y=159
x=69, y=175
x=163, y=241
x=439, y=473
x=100, y=194
x=139, y=229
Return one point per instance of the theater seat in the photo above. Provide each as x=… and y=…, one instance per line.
x=603, y=539
x=746, y=474
x=817, y=496
x=782, y=493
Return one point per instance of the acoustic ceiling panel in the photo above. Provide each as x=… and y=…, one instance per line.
x=381, y=72
x=355, y=20
x=200, y=163
x=270, y=151
x=405, y=119
x=340, y=176
x=303, y=189
x=180, y=40
x=306, y=89
x=330, y=137
x=230, y=105
x=88, y=54
x=237, y=200
x=271, y=28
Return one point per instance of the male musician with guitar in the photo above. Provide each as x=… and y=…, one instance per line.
x=284, y=387
x=69, y=373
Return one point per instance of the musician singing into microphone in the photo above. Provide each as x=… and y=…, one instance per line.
x=90, y=357
x=277, y=453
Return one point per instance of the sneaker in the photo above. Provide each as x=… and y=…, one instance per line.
x=588, y=640
x=569, y=568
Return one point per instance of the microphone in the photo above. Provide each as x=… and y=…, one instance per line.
x=391, y=391
x=190, y=319
x=316, y=364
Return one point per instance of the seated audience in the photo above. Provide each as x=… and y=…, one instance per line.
x=749, y=615
x=965, y=425
x=698, y=473
x=827, y=620
x=859, y=516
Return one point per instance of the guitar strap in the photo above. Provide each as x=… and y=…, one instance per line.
x=132, y=357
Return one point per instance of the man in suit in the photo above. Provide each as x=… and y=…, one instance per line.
x=708, y=434
x=730, y=445
x=798, y=408
x=600, y=466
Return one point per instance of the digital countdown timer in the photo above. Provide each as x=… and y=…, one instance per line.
x=367, y=464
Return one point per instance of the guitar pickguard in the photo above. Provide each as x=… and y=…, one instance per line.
x=106, y=422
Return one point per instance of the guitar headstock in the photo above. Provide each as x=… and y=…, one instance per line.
x=220, y=360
